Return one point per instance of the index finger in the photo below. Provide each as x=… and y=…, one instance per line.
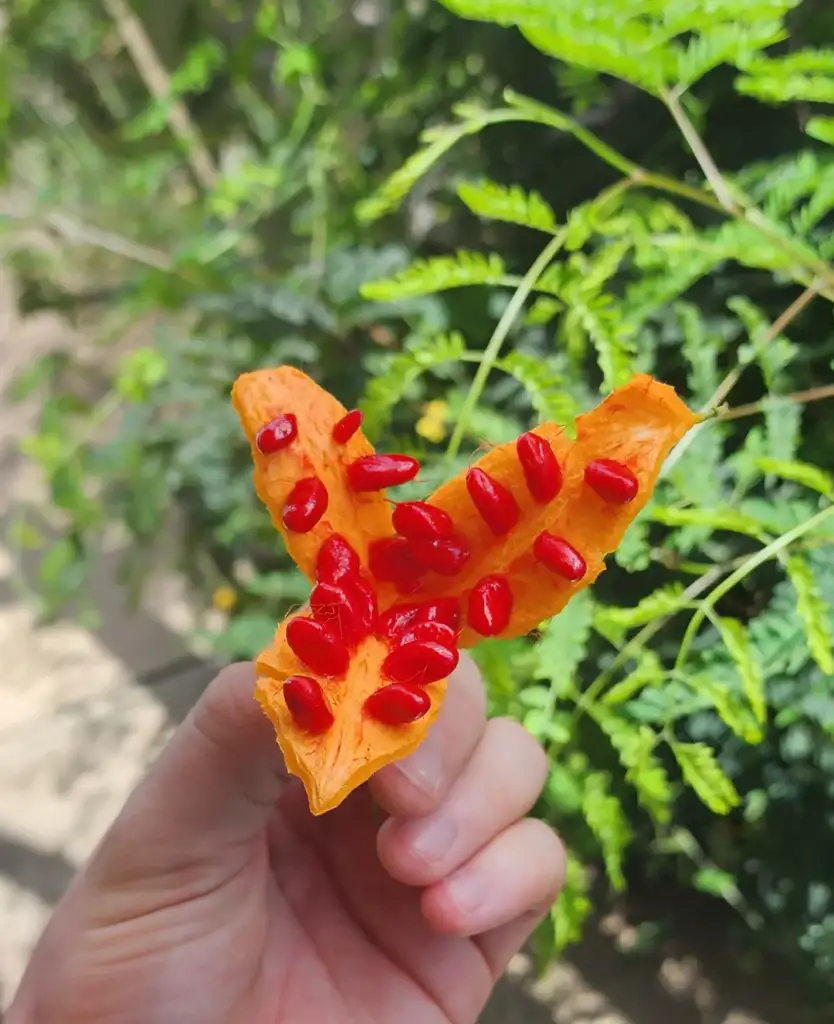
x=417, y=785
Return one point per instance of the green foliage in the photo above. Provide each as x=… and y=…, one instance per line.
x=693, y=691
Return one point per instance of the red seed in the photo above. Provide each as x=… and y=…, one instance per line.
x=277, y=434
x=349, y=607
x=398, y=704
x=496, y=505
x=436, y=632
x=347, y=426
x=612, y=481
x=375, y=472
x=420, y=662
x=445, y=557
x=336, y=558
x=490, y=606
x=402, y=616
x=391, y=561
x=318, y=646
x=541, y=468
x=560, y=557
x=307, y=705
x=417, y=520
x=306, y=504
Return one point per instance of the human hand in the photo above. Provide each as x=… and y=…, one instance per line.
x=216, y=898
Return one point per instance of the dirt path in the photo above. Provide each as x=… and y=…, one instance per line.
x=82, y=713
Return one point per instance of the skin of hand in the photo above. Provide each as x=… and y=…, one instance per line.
x=216, y=898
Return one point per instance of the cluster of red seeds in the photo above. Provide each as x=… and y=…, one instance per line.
x=343, y=612
x=423, y=637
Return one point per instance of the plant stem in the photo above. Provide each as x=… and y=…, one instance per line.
x=798, y=398
x=699, y=150
x=772, y=550
x=499, y=336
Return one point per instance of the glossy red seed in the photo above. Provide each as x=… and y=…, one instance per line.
x=375, y=472
x=612, y=481
x=497, y=507
x=336, y=558
x=398, y=704
x=420, y=662
x=391, y=561
x=347, y=426
x=349, y=607
x=306, y=504
x=318, y=646
x=490, y=606
x=559, y=556
x=445, y=557
x=402, y=616
x=277, y=434
x=436, y=632
x=542, y=472
x=307, y=705
x=417, y=520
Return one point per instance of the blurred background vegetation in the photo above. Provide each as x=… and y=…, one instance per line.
x=214, y=178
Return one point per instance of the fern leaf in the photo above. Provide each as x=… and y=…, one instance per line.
x=573, y=908
x=813, y=611
x=543, y=310
x=649, y=672
x=605, y=817
x=734, y=712
x=821, y=128
x=805, y=75
x=724, y=44
x=388, y=388
x=426, y=277
x=613, y=623
x=635, y=746
x=544, y=386
x=702, y=772
x=800, y=472
x=714, y=518
x=564, y=644
x=508, y=203
x=701, y=349
x=746, y=661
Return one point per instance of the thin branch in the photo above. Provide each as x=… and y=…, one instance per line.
x=797, y=398
x=699, y=150
x=158, y=83
x=74, y=231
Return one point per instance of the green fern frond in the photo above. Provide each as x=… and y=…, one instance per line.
x=713, y=518
x=649, y=672
x=606, y=818
x=635, y=746
x=746, y=661
x=813, y=611
x=613, y=622
x=701, y=350
x=508, y=203
x=573, y=908
x=805, y=75
x=822, y=129
x=442, y=273
x=564, y=644
x=733, y=711
x=702, y=772
x=544, y=386
x=543, y=310
x=800, y=472
x=388, y=388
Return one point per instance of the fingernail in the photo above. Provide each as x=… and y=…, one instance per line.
x=424, y=768
x=468, y=892
x=433, y=840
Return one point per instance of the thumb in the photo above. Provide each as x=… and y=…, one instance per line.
x=211, y=790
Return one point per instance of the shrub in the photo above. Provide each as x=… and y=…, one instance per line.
x=687, y=705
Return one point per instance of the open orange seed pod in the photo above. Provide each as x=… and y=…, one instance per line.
x=354, y=681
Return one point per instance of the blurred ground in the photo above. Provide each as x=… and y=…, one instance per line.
x=82, y=713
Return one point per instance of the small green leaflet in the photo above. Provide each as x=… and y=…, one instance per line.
x=426, y=277
x=714, y=518
x=813, y=611
x=543, y=385
x=563, y=646
x=573, y=908
x=734, y=712
x=606, y=819
x=635, y=747
x=613, y=623
x=508, y=203
x=800, y=472
x=702, y=772
x=746, y=661
x=649, y=672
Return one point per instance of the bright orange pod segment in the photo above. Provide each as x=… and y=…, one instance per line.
x=543, y=479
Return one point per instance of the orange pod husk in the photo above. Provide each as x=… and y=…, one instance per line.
x=508, y=583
